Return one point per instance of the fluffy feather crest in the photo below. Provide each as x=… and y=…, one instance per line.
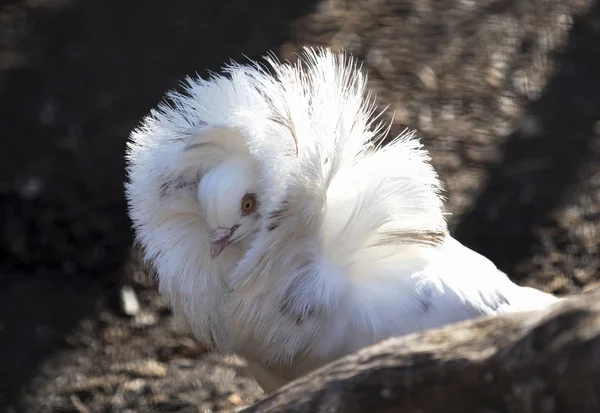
x=338, y=211
x=339, y=217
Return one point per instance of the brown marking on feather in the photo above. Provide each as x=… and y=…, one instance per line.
x=287, y=123
x=287, y=307
x=278, y=215
x=175, y=184
x=278, y=212
x=197, y=145
x=426, y=238
x=277, y=222
x=283, y=120
x=425, y=305
x=164, y=189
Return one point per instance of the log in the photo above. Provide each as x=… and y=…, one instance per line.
x=545, y=361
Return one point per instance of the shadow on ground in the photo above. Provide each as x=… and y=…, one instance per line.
x=544, y=162
x=75, y=78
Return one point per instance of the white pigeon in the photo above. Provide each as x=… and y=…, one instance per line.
x=283, y=231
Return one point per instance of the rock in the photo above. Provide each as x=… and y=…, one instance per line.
x=86, y=387
x=142, y=368
x=235, y=399
x=428, y=77
x=145, y=319
x=546, y=361
x=129, y=302
x=137, y=386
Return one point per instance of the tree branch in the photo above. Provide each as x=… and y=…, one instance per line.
x=546, y=361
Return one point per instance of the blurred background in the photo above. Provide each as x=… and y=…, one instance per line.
x=504, y=93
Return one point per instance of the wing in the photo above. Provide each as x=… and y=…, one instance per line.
x=463, y=284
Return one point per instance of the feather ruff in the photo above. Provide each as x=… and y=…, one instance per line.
x=352, y=247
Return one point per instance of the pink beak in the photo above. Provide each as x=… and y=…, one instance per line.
x=219, y=239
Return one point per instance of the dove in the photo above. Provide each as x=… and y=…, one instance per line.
x=286, y=227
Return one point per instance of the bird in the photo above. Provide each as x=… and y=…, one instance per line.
x=285, y=225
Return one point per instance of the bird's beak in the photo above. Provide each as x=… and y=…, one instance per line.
x=219, y=239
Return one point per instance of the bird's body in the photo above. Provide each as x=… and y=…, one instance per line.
x=454, y=284
x=282, y=231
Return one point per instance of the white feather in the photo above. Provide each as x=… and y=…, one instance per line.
x=352, y=245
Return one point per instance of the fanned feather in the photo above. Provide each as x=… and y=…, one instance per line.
x=339, y=216
x=352, y=247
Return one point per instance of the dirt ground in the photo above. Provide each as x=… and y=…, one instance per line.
x=505, y=94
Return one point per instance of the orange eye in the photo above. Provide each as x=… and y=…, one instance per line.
x=248, y=204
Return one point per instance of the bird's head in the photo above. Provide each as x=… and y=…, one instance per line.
x=228, y=198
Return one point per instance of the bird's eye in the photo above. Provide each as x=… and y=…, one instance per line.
x=248, y=204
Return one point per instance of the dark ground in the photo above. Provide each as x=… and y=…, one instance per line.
x=506, y=95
